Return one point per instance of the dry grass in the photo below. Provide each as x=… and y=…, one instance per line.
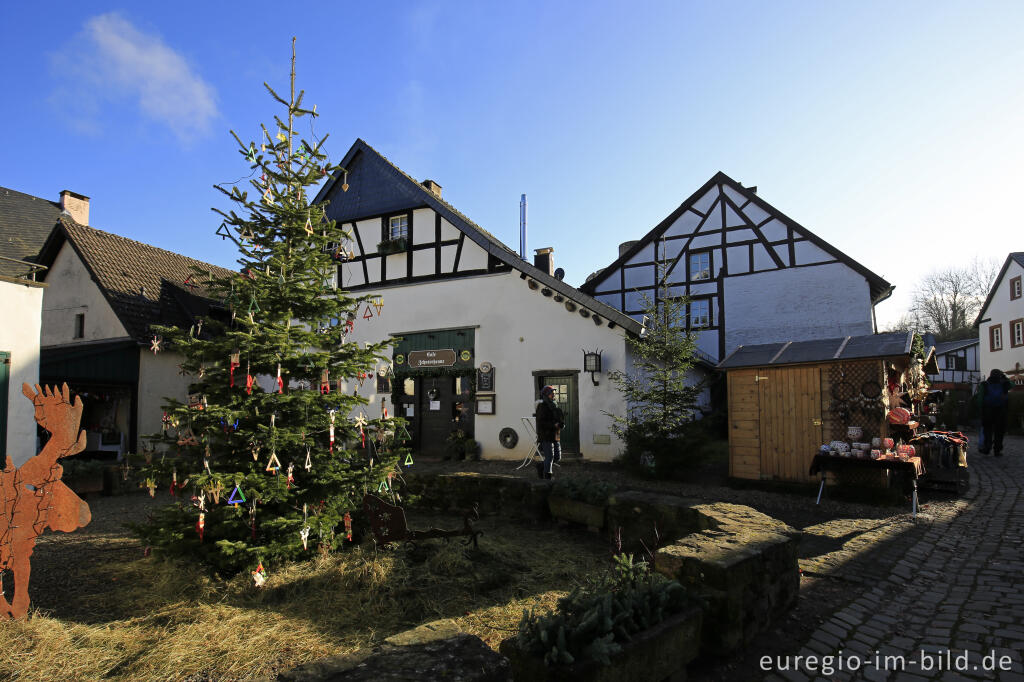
x=143, y=619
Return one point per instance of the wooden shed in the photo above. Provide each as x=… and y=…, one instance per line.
x=787, y=399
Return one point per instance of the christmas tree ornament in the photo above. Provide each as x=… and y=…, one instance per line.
x=273, y=464
x=187, y=438
x=291, y=475
x=201, y=525
x=195, y=401
x=367, y=314
x=280, y=136
x=191, y=283
x=255, y=448
x=154, y=344
x=348, y=526
x=378, y=303
x=304, y=534
x=325, y=382
x=309, y=225
x=309, y=462
x=251, y=154
x=174, y=483
x=237, y=497
x=216, y=490
x=344, y=183
x=248, y=381
x=201, y=501
x=234, y=361
x=151, y=484
x=408, y=460
x=165, y=422
x=259, y=575
x=330, y=430
x=280, y=382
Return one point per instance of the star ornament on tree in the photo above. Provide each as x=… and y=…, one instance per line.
x=155, y=344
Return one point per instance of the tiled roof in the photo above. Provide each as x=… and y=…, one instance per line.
x=144, y=284
x=25, y=223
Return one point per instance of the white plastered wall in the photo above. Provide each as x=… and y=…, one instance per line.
x=72, y=291
x=816, y=302
x=20, y=308
x=1001, y=310
x=519, y=331
x=158, y=380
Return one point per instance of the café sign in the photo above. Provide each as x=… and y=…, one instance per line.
x=421, y=359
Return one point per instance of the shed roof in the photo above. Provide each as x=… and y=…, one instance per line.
x=821, y=350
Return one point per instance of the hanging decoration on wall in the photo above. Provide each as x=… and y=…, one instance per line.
x=155, y=342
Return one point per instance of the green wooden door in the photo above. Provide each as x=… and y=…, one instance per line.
x=5, y=372
x=566, y=398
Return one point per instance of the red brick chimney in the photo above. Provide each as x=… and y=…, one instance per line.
x=75, y=205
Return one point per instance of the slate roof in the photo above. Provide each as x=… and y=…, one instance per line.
x=25, y=223
x=1016, y=256
x=879, y=288
x=950, y=346
x=359, y=202
x=821, y=350
x=143, y=284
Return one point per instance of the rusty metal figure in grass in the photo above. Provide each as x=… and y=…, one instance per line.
x=388, y=524
x=32, y=496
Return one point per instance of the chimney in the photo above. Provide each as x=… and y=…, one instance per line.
x=626, y=246
x=544, y=261
x=434, y=188
x=75, y=205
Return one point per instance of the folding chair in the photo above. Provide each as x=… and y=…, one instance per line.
x=534, y=450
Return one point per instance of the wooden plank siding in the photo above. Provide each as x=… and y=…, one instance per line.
x=772, y=434
x=744, y=430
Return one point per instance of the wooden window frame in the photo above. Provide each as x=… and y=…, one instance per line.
x=79, y=332
x=711, y=265
x=994, y=331
x=1015, y=288
x=1014, y=326
x=390, y=234
x=711, y=313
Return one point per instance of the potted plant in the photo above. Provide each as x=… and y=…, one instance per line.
x=83, y=476
x=633, y=625
x=389, y=246
x=580, y=501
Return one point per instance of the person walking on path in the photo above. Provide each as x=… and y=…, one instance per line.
x=549, y=422
x=993, y=396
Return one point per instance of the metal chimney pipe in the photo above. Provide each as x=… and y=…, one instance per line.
x=522, y=227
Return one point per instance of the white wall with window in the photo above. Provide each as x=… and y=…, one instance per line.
x=21, y=303
x=1001, y=324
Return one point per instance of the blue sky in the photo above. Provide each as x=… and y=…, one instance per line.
x=892, y=130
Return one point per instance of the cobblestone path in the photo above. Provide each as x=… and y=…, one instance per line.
x=947, y=595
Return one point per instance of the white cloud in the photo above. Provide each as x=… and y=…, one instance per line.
x=111, y=58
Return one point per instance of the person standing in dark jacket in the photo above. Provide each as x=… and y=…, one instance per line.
x=993, y=396
x=549, y=423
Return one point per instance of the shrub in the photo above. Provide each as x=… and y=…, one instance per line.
x=591, y=492
x=592, y=622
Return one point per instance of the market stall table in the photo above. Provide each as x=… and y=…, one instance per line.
x=912, y=466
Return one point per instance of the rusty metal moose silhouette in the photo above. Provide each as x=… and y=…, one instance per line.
x=32, y=496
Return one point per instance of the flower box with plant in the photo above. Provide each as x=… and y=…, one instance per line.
x=631, y=625
x=389, y=246
x=578, y=501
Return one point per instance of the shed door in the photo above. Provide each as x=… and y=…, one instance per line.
x=789, y=418
x=744, y=429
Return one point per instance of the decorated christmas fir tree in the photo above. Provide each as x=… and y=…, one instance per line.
x=270, y=456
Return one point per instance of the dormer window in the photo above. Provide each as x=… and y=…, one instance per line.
x=700, y=266
x=398, y=227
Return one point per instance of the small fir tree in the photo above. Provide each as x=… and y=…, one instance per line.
x=660, y=402
x=265, y=476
